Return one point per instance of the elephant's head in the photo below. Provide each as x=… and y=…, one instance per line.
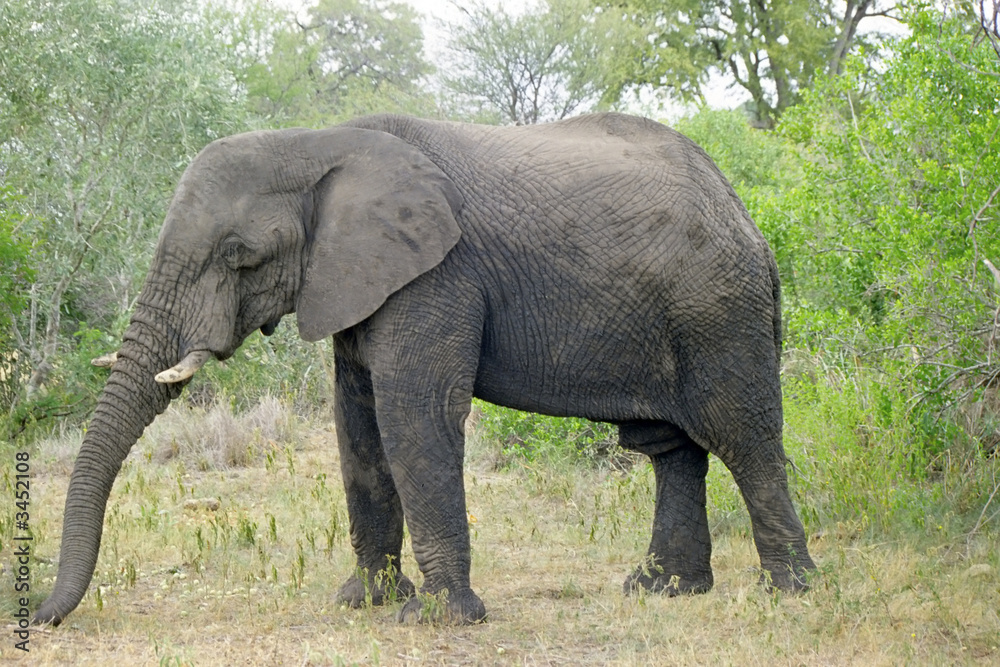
x=327, y=223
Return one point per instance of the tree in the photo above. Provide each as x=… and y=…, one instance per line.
x=989, y=22
x=544, y=64
x=773, y=50
x=897, y=210
x=348, y=57
x=101, y=105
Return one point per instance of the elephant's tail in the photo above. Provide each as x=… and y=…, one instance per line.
x=776, y=316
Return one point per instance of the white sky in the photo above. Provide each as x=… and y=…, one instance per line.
x=436, y=12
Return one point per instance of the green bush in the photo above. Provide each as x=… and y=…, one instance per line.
x=884, y=278
x=71, y=391
x=898, y=174
x=15, y=281
x=525, y=437
x=281, y=365
x=866, y=465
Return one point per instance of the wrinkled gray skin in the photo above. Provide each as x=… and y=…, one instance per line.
x=600, y=267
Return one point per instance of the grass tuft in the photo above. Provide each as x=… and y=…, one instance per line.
x=217, y=438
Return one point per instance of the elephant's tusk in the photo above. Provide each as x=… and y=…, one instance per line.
x=105, y=360
x=189, y=366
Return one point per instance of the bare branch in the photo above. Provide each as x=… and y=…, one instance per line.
x=993, y=270
x=978, y=216
x=989, y=23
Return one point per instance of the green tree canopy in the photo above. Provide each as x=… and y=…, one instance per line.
x=347, y=58
x=898, y=208
x=773, y=50
x=102, y=103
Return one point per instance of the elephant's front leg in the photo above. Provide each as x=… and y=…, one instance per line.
x=425, y=444
x=373, y=506
x=423, y=350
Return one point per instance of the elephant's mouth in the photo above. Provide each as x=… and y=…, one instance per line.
x=194, y=359
x=269, y=327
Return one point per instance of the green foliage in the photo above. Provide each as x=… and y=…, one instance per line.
x=15, y=252
x=896, y=208
x=351, y=57
x=280, y=365
x=864, y=466
x=524, y=437
x=101, y=105
x=891, y=404
x=71, y=391
x=15, y=280
x=773, y=50
x=750, y=159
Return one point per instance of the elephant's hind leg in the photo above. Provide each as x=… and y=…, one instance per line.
x=680, y=551
x=777, y=531
x=373, y=505
x=743, y=425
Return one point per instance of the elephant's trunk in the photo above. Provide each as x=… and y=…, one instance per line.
x=129, y=402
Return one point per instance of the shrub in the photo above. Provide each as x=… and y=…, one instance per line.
x=516, y=437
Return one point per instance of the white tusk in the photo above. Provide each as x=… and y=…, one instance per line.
x=105, y=360
x=189, y=366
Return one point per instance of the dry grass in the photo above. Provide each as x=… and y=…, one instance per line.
x=253, y=582
x=217, y=439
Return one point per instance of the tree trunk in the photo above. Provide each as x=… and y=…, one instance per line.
x=853, y=16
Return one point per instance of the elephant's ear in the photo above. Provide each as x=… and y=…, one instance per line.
x=383, y=214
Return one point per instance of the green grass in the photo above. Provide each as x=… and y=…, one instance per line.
x=552, y=540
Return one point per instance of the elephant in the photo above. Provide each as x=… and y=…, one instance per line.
x=599, y=267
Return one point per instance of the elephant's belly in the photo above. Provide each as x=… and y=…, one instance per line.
x=605, y=382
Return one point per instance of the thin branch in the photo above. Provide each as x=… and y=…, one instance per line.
x=990, y=25
x=979, y=213
x=854, y=119
x=993, y=270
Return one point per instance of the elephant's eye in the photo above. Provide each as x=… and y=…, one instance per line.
x=232, y=253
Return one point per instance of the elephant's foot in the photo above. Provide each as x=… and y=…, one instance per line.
x=787, y=577
x=447, y=608
x=657, y=579
x=362, y=589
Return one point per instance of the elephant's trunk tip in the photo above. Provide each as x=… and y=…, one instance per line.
x=188, y=366
x=47, y=614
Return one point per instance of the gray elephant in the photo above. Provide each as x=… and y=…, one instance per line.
x=599, y=267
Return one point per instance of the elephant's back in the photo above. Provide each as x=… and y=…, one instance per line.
x=610, y=196
x=615, y=196
x=626, y=170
